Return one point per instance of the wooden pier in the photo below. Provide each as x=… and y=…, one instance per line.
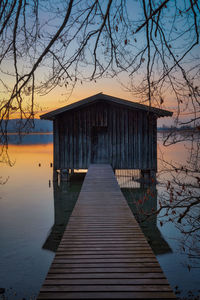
x=103, y=253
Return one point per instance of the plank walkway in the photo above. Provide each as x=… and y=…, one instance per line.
x=103, y=253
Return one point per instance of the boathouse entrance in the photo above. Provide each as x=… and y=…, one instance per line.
x=99, y=145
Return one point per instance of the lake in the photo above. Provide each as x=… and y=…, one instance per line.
x=34, y=212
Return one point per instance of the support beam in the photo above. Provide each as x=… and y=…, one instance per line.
x=147, y=177
x=64, y=175
x=55, y=175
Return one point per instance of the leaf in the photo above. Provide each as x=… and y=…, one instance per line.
x=161, y=223
x=161, y=100
x=125, y=42
x=180, y=218
x=168, y=185
x=116, y=28
x=198, y=179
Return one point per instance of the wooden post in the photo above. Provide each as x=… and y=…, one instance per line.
x=64, y=175
x=145, y=175
x=148, y=177
x=55, y=175
x=71, y=171
x=153, y=176
x=55, y=150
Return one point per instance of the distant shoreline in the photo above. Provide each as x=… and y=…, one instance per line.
x=176, y=129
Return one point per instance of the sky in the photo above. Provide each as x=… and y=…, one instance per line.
x=49, y=18
x=112, y=87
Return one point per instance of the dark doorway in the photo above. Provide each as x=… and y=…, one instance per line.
x=99, y=145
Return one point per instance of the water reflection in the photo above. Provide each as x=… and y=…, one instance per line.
x=141, y=199
x=143, y=202
x=31, y=220
x=26, y=214
x=65, y=197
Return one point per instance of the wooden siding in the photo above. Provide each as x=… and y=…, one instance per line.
x=131, y=137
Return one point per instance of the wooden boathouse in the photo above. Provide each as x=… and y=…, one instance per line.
x=105, y=129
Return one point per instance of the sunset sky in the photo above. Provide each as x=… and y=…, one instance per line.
x=59, y=97
x=128, y=44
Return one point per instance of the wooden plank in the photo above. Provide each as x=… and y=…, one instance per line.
x=131, y=138
x=92, y=260
x=114, y=141
x=108, y=295
x=99, y=252
x=107, y=281
x=61, y=146
x=71, y=137
x=135, y=139
x=94, y=255
x=103, y=253
x=105, y=288
x=56, y=145
x=75, y=145
x=80, y=141
x=105, y=265
x=154, y=143
x=105, y=275
x=118, y=269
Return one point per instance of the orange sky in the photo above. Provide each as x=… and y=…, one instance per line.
x=59, y=98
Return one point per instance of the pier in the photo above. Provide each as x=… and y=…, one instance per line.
x=103, y=253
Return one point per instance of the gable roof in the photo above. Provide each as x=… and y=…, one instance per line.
x=103, y=97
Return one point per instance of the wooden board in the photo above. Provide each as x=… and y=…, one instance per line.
x=103, y=253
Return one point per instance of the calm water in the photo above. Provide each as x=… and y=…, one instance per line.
x=33, y=215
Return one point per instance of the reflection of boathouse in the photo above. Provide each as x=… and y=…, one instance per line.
x=143, y=202
x=105, y=129
x=65, y=197
x=140, y=199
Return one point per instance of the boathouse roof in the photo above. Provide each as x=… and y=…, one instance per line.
x=106, y=98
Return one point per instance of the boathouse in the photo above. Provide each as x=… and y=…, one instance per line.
x=105, y=129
